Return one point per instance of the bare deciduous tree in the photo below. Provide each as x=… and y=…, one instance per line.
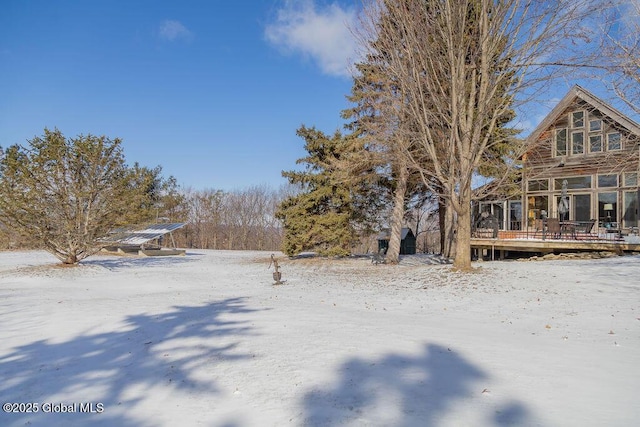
x=238, y=220
x=459, y=65
x=619, y=53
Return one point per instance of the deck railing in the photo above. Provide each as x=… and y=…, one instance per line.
x=569, y=230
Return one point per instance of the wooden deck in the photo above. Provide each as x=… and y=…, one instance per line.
x=500, y=245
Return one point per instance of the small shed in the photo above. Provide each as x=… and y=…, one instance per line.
x=407, y=243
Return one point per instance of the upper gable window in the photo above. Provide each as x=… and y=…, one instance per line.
x=613, y=141
x=577, y=143
x=561, y=142
x=595, y=125
x=595, y=143
x=577, y=119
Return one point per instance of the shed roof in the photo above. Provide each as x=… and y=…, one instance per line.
x=386, y=234
x=139, y=235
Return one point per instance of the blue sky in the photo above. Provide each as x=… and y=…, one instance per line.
x=213, y=91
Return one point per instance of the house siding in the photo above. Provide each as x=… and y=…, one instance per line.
x=542, y=164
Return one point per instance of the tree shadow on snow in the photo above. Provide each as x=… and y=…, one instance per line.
x=122, y=367
x=121, y=263
x=401, y=390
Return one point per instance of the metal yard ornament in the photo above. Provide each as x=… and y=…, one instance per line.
x=277, y=276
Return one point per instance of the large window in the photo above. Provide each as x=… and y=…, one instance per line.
x=607, y=181
x=585, y=133
x=515, y=215
x=582, y=207
x=561, y=142
x=608, y=209
x=564, y=215
x=495, y=209
x=537, y=207
x=574, y=183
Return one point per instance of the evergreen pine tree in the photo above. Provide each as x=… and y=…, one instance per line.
x=321, y=216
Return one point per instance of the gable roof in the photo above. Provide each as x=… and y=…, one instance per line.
x=386, y=234
x=579, y=92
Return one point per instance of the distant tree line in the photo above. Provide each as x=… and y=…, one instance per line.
x=216, y=219
x=237, y=220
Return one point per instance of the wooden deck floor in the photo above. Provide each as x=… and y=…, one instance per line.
x=499, y=245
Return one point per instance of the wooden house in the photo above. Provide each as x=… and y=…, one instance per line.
x=592, y=150
x=579, y=185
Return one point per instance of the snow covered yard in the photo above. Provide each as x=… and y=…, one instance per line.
x=207, y=340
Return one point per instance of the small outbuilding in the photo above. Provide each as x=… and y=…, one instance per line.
x=407, y=243
x=146, y=240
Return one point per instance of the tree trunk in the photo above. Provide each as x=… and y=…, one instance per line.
x=462, y=260
x=442, y=225
x=448, y=230
x=395, y=239
x=447, y=224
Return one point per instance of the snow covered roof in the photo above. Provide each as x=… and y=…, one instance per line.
x=142, y=235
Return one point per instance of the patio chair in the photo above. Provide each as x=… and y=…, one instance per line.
x=585, y=230
x=378, y=257
x=589, y=226
x=569, y=228
x=553, y=228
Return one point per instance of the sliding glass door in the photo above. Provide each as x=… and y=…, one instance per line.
x=581, y=207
